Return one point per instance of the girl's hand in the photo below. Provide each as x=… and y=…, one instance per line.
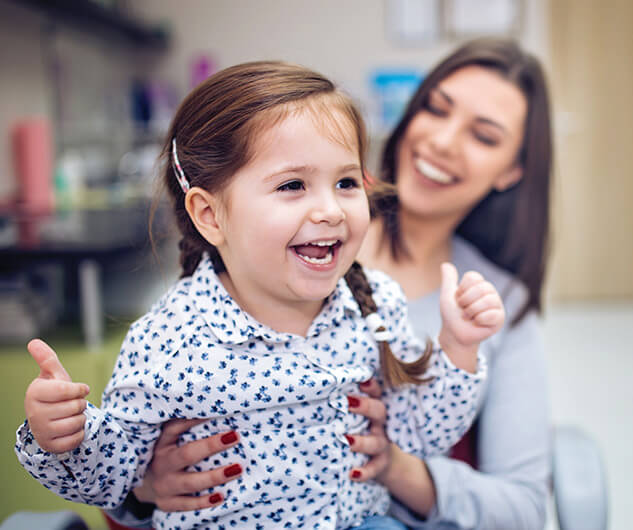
x=169, y=486
x=471, y=312
x=375, y=444
x=54, y=405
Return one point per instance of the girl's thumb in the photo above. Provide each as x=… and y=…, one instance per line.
x=449, y=280
x=46, y=359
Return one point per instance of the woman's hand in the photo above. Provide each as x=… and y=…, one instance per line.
x=166, y=482
x=375, y=444
x=405, y=476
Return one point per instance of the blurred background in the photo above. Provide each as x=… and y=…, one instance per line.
x=87, y=89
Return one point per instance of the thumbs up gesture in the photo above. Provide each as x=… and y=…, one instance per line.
x=471, y=312
x=53, y=404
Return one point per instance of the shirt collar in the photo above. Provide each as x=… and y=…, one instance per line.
x=232, y=325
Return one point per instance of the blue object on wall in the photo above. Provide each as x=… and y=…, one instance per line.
x=393, y=88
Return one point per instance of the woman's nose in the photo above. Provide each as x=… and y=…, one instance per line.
x=444, y=139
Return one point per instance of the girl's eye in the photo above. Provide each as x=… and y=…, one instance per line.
x=293, y=185
x=347, y=183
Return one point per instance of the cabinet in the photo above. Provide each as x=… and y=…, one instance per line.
x=106, y=22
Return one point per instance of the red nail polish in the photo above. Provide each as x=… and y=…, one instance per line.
x=350, y=439
x=229, y=438
x=232, y=470
x=365, y=383
x=215, y=498
x=353, y=401
x=356, y=474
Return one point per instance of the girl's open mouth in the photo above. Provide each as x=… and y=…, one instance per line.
x=318, y=252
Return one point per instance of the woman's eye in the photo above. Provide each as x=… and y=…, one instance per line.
x=293, y=185
x=435, y=109
x=347, y=183
x=485, y=139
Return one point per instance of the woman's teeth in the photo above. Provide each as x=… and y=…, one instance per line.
x=432, y=173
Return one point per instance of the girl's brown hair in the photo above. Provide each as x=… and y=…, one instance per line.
x=216, y=127
x=510, y=228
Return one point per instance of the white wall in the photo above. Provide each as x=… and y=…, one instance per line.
x=344, y=40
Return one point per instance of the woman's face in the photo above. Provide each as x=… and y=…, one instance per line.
x=461, y=145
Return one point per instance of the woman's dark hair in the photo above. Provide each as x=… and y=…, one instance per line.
x=510, y=228
x=216, y=127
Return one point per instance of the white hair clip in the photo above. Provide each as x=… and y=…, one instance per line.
x=375, y=323
x=180, y=174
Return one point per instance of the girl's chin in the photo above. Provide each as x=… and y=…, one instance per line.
x=314, y=290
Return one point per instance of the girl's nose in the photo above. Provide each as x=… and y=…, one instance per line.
x=327, y=209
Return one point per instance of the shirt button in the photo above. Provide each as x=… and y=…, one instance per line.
x=338, y=402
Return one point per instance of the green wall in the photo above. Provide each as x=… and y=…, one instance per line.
x=19, y=491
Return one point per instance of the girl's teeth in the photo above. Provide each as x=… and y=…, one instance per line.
x=318, y=261
x=432, y=172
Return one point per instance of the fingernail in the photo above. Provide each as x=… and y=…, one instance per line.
x=229, y=438
x=215, y=498
x=356, y=474
x=350, y=439
x=353, y=401
x=365, y=383
x=232, y=470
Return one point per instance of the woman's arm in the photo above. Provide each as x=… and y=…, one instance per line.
x=510, y=489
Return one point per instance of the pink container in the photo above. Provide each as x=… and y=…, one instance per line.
x=33, y=160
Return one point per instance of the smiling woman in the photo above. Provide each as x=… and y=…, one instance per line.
x=471, y=160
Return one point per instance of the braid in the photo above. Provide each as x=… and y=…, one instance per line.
x=191, y=252
x=190, y=256
x=396, y=372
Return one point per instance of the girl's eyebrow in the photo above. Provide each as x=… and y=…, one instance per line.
x=349, y=167
x=480, y=119
x=307, y=169
x=290, y=168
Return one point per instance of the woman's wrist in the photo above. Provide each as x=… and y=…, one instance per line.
x=408, y=479
x=138, y=508
x=145, y=493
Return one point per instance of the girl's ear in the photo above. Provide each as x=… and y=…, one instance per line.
x=509, y=178
x=202, y=208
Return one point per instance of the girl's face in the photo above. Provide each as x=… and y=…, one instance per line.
x=292, y=220
x=463, y=144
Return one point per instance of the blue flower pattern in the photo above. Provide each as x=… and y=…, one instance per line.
x=196, y=354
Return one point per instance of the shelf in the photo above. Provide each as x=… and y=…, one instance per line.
x=92, y=18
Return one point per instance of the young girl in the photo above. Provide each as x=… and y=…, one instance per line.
x=270, y=327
